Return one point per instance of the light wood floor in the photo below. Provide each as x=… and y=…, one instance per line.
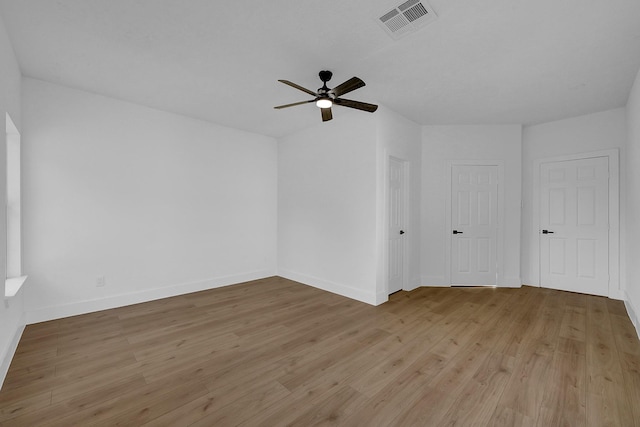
x=274, y=352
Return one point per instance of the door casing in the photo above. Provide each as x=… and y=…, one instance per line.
x=500, y=217
x=614, y=216
x=407, y=221
x=403, y=218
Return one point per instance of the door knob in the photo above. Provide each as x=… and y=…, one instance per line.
x=401, y=231
x=547, y=232
x=457, y=232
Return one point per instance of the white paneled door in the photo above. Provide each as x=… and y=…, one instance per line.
x=574, y=225
x=397, y=214
x=474, y=224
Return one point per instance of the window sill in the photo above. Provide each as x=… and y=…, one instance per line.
x=13, y=285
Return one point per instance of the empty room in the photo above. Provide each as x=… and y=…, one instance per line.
x=362, y=213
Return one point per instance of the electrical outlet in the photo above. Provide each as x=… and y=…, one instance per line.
x=100, y=281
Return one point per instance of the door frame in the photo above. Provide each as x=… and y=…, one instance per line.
x=406, y=175
x=500, y=217
x=613, y=156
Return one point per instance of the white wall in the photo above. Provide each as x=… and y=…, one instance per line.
x=327, y=206
x=332, y=202
x=400, y=138
x=157, y=203
x=583, y=134
x=442, y=144
x=633, y=204
x=12, y=317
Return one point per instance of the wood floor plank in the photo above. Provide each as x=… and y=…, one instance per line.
x=607, y=402
x=527, y=386
x=631, y=371
x=87, y=366
x=574, y=323
x=83, y=395
x=292, y=406
x=564, y=402
x=357, y=364
x=64, y=389
x=628, y=347
x=15, y=406
x=35, y=359
x=275, y=352
x=135, y=406
x=155, y=407
x=477, y=401
x=508, y=417
x=236, y=412
x=625, y=336
x=226, y=387
x=431, y=405
x=303, y=368
x=400, y=394
x=333, y=409
x=24, y=377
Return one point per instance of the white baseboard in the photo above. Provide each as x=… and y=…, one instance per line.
x=434, y=281
x=11, y=350
x=512, y=282
x=336, y=288
x=633, y=313
x=439, y=281
x=412, y=286
x=56, y=312
x=618, y=294
x=381, y=298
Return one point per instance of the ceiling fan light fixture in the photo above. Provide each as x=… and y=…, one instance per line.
x=325, y=97
x=324, y=103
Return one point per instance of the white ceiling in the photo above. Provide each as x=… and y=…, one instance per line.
x=481, y=62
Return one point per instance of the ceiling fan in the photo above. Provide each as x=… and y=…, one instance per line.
x=325, y=97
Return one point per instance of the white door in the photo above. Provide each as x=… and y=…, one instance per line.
x=396, y=209
x=574, y=225
x=474, y=224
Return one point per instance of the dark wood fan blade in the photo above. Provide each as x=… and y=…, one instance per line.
x=293, y=105
x=356, y=104
x=352, y=84
x=326, y=114
x=287, y=82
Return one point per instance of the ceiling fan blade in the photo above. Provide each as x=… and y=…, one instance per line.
x=356, y=104
x=293, y=105
x=326, y=114
x=287, y=82
x=352, y=84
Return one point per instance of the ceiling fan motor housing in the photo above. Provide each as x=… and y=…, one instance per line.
x=325, y=75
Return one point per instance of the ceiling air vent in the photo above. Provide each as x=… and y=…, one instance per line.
x=406, y=18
